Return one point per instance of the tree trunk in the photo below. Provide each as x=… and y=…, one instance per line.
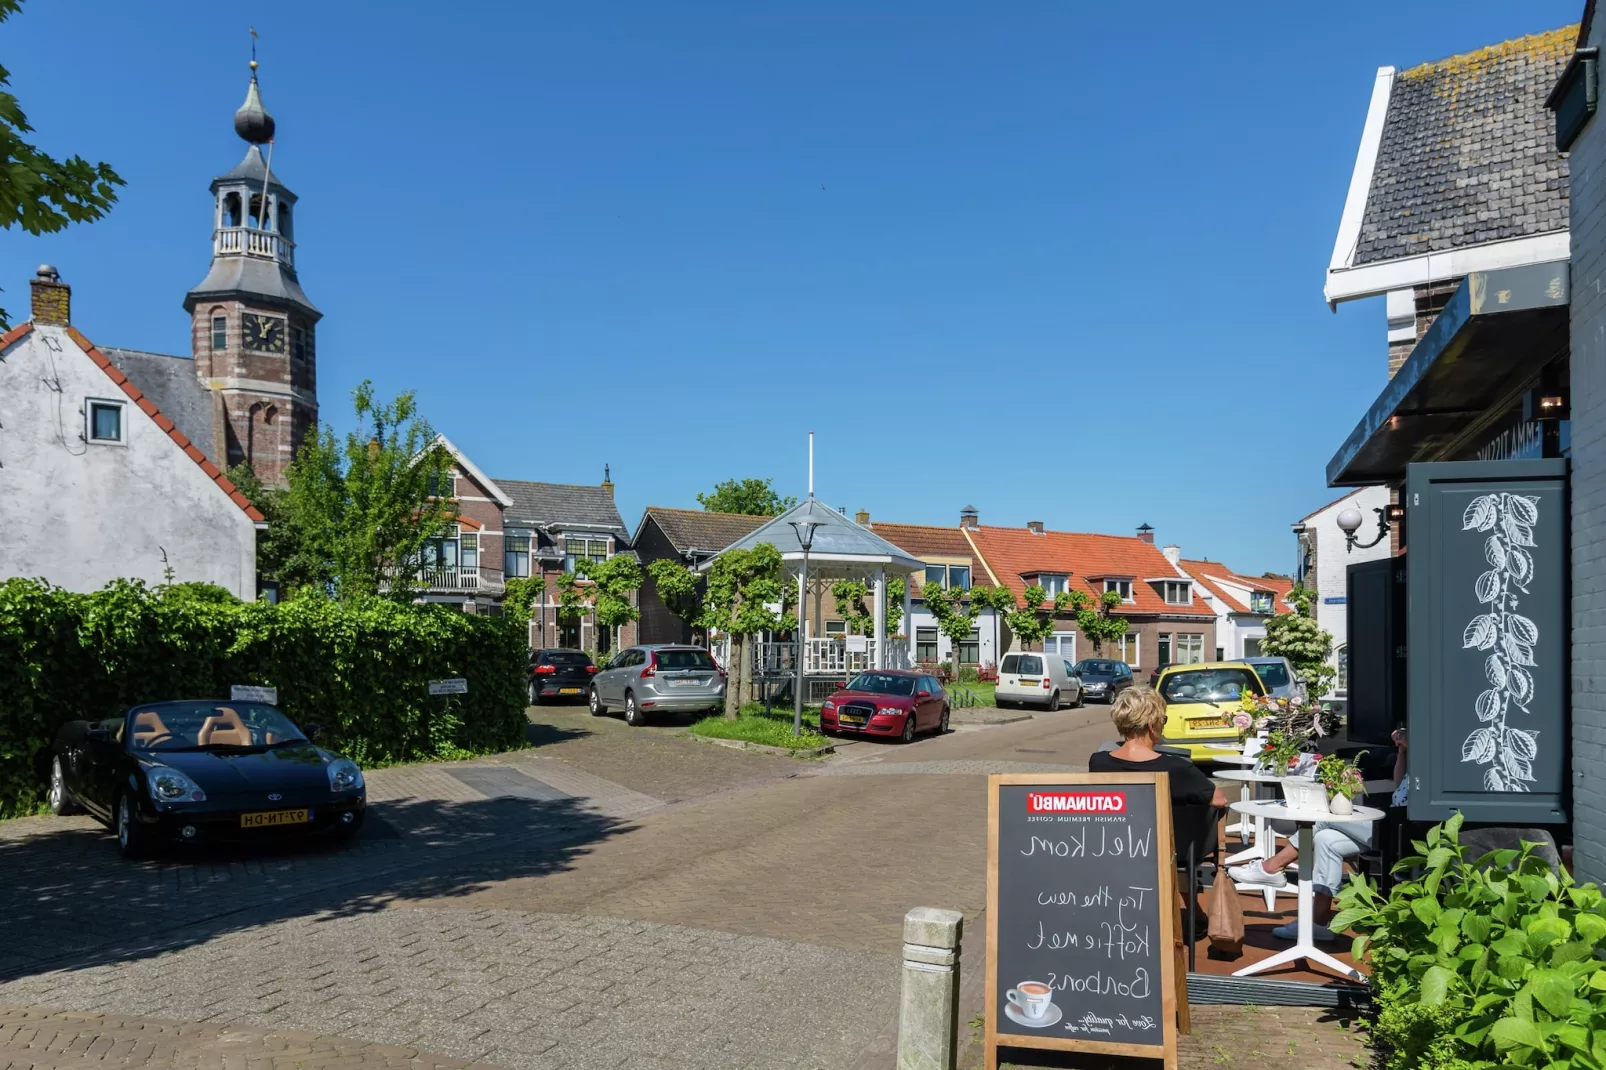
x=745, y=695
x=733, y=678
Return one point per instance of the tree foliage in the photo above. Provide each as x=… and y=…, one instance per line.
x=850, y=596
x=679, y=588
x=753, y=497
x=613, y=581
x=359, y=670
x=356, y=515
x=38, y=192
x=1297, y=637
x=955, y=609
x=743, y=585
x=520, y=595
x=1031, y=623
x=1096, y=621
x=896, y=586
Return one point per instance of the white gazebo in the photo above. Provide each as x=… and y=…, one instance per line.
x=841, y=550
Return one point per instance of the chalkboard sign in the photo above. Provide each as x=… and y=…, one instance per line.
x=1081, y=908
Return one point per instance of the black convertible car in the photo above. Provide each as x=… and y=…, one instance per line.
x=203, y=770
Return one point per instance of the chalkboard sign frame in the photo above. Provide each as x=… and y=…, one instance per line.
x=1165, y=885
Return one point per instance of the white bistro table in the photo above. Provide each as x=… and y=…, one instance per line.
x=1260, y=842
x=1304, y=945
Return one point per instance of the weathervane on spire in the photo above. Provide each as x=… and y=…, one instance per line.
x=252, y=122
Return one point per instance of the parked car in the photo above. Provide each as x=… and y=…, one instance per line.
x=1278, y=676
x=1103, y=679
x=1200, y=701
x=1034, y=679
x=203, y=770
x=559, y=674
x=887, y=702
x=658, y=679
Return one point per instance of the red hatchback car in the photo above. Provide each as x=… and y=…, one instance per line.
x=887, y=702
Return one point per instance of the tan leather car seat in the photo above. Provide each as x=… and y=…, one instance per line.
x=147, y=727
x=224, y=728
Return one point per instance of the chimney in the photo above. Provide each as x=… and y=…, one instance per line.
x=969, y=518
x=607, y=481
x=1034, y=526
x=1173, y=554
x=862, y=516
x=1146, y=534
x=52, y=298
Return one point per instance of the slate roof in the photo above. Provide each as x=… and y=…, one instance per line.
x=1011, y=553
x=171, y=384
x=1468, y=152
x=699, y=529
x=836, y=536
x=562, y=503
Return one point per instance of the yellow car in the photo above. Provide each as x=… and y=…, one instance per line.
x=1200, y=701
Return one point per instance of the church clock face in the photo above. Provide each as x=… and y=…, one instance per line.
x=265, y=334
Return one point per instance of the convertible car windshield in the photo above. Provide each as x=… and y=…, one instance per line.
x=198, y=725
x=881, y=683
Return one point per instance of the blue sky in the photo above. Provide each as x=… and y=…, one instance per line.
x=1060, y=261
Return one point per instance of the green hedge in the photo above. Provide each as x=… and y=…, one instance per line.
x=357, y=671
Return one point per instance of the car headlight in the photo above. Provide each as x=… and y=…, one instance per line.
x=829, y=705
x=170, y=785
x=344, y=775
x=894, y=711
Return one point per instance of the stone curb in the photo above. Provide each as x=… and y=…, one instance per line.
x=789, y=752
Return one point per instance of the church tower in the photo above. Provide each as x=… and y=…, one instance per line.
x=252, y=329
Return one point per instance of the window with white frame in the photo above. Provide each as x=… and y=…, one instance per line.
x=441, y=552
x=1121, y=587
x=1189, y=649
x=1178, y=592
x=925, y=644
x=1061, y=643
x=516, y=554
x=104, y=421
x=836, y=627
x=948, y=576
x=1260, y=602
x=1052, y=583
x=936, y=576
x=1341, y=682
x=1129, y=649
x=469, y=548
x=583, y=549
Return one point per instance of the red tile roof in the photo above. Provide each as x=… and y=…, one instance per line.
x=1210, y=574
x=924, y=542
x=146, y=406
x=1011, y=552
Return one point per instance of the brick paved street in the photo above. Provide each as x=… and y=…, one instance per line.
x=612, y=898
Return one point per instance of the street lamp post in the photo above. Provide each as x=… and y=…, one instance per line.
x=805, y=538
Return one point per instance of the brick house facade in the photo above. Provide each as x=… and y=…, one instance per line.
x=688, y=536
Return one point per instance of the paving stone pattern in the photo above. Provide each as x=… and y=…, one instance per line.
x=516, y=989
x=33, y=1039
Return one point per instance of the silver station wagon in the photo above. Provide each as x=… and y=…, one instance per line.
x=643, y=680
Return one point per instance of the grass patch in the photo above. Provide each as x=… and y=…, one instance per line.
x=769, y=730
x=985, y=694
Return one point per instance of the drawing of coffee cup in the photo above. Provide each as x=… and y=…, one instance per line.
x=1032, y=997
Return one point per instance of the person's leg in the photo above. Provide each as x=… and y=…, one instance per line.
x=1268, y=872
x=1332, y=843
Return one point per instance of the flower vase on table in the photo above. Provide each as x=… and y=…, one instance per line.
x=1341, y=805
x=1341, y=780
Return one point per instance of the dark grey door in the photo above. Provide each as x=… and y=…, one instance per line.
x=1375, y=612
x=1488, y=622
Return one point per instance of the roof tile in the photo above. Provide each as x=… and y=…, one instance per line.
x=699, y=529
x=1012, y=552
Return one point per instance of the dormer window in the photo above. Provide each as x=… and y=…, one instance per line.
x=1052, y=583
x=1260, y=602
x=1121, y=587
x=1178, y=592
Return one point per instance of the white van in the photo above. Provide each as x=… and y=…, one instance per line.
x=1029, y=678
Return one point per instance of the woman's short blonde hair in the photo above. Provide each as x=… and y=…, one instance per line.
x=1137, y=710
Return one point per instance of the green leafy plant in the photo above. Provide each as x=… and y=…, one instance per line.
x=520, y=596
x=742, y=586
x=1341, y=776
x=1097, y=622
x=955, y=610
x=1297, y=637
x=1282, y=749
x=678, y=588
x=896, y=586
x=1482, y=962
x=754, y=497
x=613, y=582
x=1031, y=624
x=358, y=669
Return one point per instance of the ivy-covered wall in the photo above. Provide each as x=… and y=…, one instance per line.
x=359, y=672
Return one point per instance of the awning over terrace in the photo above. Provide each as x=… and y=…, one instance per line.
x=1494, y=337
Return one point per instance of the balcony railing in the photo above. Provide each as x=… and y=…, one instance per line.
x=254, y=242
x=458, y=579
x=822, y=656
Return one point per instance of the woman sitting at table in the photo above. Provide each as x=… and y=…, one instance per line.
x=1139, y=715
x=1333, y=842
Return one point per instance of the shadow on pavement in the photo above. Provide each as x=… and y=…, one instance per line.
x=541, y=734
x=71, y=899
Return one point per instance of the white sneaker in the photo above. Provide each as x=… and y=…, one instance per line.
x=1255, y=873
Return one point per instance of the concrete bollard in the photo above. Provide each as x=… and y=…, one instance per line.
x=929, y=1017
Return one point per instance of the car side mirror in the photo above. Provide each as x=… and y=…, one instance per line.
x=312, y=732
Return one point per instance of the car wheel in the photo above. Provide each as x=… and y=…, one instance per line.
x=1080, y=698
x=908, y=735
x=61, y=801
x=132, y=839
x=597, y=708
x=633, y=715
x=1054, y=702
x=535, y=694
x=942, y=725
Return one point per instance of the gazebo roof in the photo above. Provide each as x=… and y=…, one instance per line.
x=838, y=538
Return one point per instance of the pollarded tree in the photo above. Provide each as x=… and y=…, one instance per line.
x=613, y=581
x=680, y=589
x=956, y=614
x=1031, y=623
x=1095, y=622
x=1001, y=600
x=743, y=585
